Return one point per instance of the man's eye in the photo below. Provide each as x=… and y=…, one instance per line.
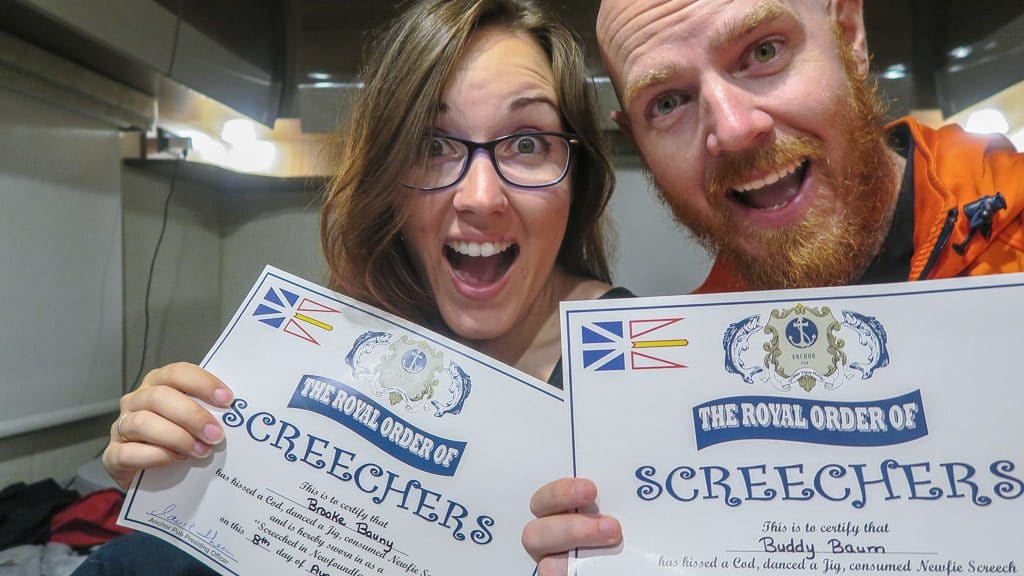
x=665, y=105
x=764, y=52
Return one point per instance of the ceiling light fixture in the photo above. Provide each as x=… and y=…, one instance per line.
x=987, y=121
x=238, y=131
x=895, y=72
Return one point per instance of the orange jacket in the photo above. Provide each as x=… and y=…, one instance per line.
x=951, y=169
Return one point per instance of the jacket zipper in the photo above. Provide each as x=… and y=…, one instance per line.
x=947, y=231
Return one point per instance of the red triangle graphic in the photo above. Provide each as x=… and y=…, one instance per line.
x=658, y=362
x=658, y=324
x=308, y=305
x=293, y=328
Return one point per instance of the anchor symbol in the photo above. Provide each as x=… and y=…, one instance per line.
x=798, y=336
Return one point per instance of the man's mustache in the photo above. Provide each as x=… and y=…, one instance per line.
x=735, y=169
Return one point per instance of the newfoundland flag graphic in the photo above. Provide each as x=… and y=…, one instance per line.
x=293, y=314
x=648, y=344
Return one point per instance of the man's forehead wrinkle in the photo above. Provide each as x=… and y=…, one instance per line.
x=622, y=31
x=633, y=36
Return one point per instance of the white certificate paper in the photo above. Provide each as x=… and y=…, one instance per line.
x=855, y=431
x=358, y=444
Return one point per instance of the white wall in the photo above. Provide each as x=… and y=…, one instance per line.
x=223, y=228
x=185, y=298
x=60, y=285
x=655, y=255
x=277, y=224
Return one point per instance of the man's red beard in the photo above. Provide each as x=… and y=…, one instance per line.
x=826, y=248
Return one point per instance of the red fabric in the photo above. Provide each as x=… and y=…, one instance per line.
x=89, y=521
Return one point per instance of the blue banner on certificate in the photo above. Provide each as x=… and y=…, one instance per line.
x=357, y=444
x=856, y=431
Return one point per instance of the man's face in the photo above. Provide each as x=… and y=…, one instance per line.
x=762, y=140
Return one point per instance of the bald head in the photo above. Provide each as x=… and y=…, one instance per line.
x=625, y=26
x=616, y=21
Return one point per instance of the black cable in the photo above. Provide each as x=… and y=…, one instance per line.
x=174, y=44
x=149, y=280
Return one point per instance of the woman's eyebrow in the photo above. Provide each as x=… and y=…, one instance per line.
x=526, y=101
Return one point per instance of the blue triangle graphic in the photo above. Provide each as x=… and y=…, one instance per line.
x=272, y=297
x=275, y=322
x=591, y=337
x=264, y=309
x=292, y=298
x=616, y=363
x=592, y=356
x=613, y=327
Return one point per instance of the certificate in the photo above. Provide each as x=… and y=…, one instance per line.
x=357, y=444
x=855, y=431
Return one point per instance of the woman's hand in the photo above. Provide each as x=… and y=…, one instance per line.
x=559, y=528
x=161, y=422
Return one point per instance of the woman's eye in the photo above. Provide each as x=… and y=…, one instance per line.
x=665, y=105
x=526, y=145
x=764, y=52
x=437, y=147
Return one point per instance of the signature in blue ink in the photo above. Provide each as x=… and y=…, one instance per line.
x=208, y=535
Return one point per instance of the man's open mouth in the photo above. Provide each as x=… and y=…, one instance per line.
x=774, y=191
x=480, y=263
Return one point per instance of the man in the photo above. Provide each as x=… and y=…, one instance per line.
x=760, y=129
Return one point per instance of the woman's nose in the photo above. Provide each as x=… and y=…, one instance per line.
x=481, y=190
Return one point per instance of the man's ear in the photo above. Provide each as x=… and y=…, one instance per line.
x=849, y=15
x=622, y=121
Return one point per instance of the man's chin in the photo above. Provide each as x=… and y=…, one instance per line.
x=816, y=252
x=781, y=272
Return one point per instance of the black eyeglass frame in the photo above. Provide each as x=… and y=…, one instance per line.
x=471, y=148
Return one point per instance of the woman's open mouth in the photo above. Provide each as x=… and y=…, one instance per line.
x=480, y=264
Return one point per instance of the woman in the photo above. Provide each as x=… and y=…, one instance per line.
x=470, y=200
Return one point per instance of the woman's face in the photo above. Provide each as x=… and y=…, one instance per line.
x=487, y=248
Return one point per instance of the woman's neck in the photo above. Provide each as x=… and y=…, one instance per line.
x=534, y=345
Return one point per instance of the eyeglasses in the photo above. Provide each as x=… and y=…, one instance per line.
x=523, y=159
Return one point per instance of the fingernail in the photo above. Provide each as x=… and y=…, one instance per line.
x=222, y=396
x=200, y=450
x=608, y=529
x=212, y=433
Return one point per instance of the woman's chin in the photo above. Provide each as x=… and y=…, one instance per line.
x=477, y=328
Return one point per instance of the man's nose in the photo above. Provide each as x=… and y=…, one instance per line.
x=481, y=190
x=735, y=122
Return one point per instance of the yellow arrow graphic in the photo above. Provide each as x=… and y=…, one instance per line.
x=313, y=321
x=661, y=343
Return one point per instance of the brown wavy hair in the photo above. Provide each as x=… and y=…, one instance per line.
x=409, y=64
